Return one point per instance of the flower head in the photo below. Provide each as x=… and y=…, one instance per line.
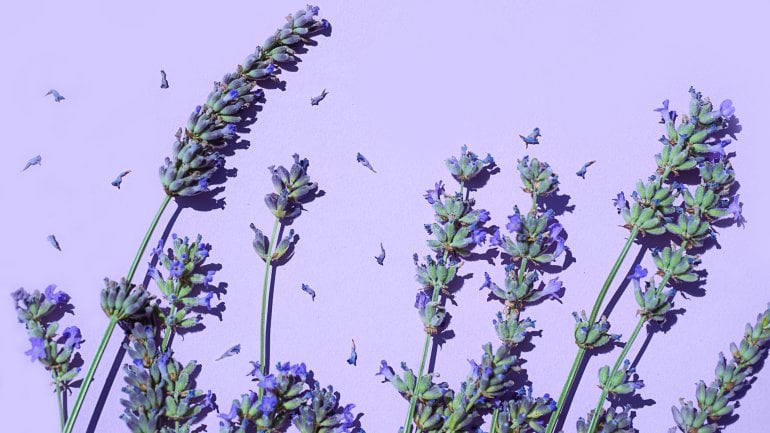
x=433, y=195
x=726, y=109
x=514, y=223
x=73, y=337
x=385, y=371
x=58, y=298
x=479, y=236
x=38, y=349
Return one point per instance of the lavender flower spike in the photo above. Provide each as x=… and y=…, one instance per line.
x=195, y=156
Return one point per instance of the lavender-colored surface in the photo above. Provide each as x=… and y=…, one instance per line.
x=409, y=83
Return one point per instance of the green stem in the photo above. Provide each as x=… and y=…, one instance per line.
x=146, y=239
x=265, y=285
x=61, y=405
x=90, y=375
x=594, y=312
x=522, y=269
x=613, y=272
x=168, y=330
x=413, y=400
x=70, y=424
x=423, y=359
x=495, y=415
x=621, y=357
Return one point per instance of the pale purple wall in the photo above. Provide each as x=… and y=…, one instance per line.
x=409, y=82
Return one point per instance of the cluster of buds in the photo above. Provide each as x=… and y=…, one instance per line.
x=124, y=301
x=161, y=396
x=468, y=165
x=441, y=409
x=694, y=144
x=38, y=312
x=621, y=381
x=534, y=236
x=287, y=396
x=184, y=286
x=592, y=335
x=518, y=293
x=613, y=420
x=436, y=274
x=537, y=177
x=291, y=188
x=524, y=413
x=717, y=400
x=195, y=157
x=323, y=413
x=282, y=393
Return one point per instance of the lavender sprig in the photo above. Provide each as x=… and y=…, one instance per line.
x=161, y=393
x=696, y=210
x=524, y=413
x=441, y=409
x=692, y=144
x=610, y=421
x=55, y=352
x=536, y=239
x=185, y=284
x=287, y=397
x=457, y=230
x=717, y=400
x=292, y=188
x=195, y=157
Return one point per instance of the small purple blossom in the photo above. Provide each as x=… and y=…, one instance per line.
x=479, y=236
x=559, y=247
x=163, y=362
x=385, y=371
x=54, y=243
x=421, y=300
x=664, y=113
x=736, y=209
x=209, y=278
x=255, y=371
x=638, y=274
x=309, y=291
x=353, y=355
x=268, y=382
x=208, y=400
x=487, y=282
x=177, y=269
x=38, y=348
x=552, y=288
x=620, y=201
x=205, y=301
x=433, y=195
x=514, y=223
x=58, y=298
x=269, y=401
x=158, y=250
x=73, y=337
x=230, y=352
x=270, y=69
x=726, y=109
x=584, y=168
x=483, y=215
x=495, y=239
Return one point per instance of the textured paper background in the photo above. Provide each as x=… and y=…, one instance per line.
x=409, y=83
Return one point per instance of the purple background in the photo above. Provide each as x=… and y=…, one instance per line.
x=409, y=83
